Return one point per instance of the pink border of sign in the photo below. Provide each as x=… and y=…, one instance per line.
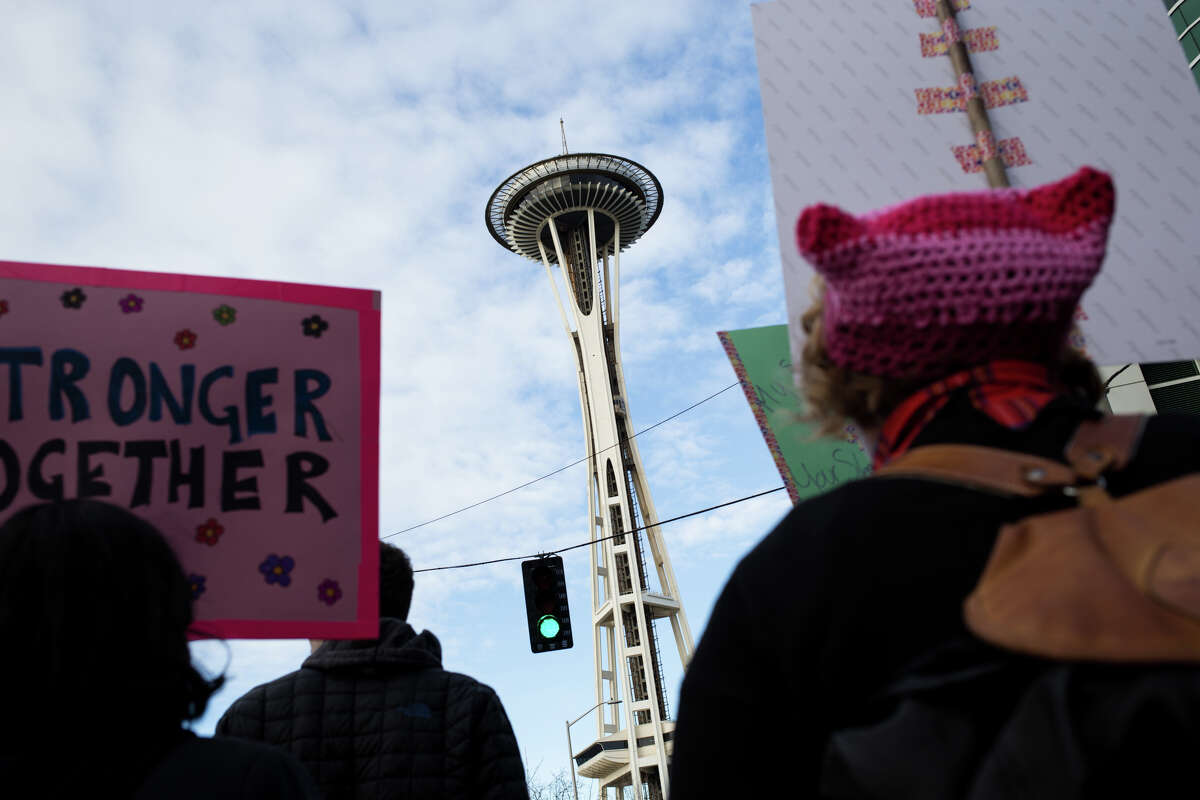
x=760, y=415
x=366, y=302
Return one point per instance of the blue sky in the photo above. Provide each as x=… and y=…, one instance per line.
x=356, y=144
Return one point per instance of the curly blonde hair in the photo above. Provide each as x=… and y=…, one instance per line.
x=837, y=394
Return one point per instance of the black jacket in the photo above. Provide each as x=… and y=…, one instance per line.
x=382, y=719
x=209, y=768
x=176, y=766
x=851, y=587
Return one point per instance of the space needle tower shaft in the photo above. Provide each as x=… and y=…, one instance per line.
x=576, y=213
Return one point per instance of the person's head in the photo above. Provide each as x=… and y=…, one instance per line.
x=395, y=586
x=395, y=582
x=912, y=293
x=94, y=614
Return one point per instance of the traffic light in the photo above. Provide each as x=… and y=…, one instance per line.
x=546, y=604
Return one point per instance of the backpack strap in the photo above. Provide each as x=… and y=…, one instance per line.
x=989, y=468
x=1108, y=443
x=1096, y=447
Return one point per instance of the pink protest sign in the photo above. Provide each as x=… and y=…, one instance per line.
x=240, y=417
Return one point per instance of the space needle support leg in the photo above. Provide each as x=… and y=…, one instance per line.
x=593, y=495
x=610, y=565
x=563, y=264
x=594, y=575
x=606, y=549
x=557, y=297
x=635, y=773
x=590, y=476
x=634, y=769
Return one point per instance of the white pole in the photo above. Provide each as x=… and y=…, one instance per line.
x=571, y=749
x=571, y=758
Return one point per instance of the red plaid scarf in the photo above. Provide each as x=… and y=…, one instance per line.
x=1011, y=392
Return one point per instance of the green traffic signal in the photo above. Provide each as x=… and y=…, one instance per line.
x=546, y=607
x=548, y=626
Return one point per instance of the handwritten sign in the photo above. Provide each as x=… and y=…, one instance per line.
x=809, y=465
x=239, y=417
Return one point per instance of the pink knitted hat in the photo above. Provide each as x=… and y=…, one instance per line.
x=943, y=282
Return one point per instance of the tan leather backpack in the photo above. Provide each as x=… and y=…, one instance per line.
x=1112, y=579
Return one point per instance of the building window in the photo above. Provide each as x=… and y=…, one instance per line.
x=1185, y=16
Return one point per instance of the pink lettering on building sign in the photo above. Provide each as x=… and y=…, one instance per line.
x=966, y=83
x=950, y=30
x=240, y=417
x=928, y=8
x=1011, y=152
x=975, y=39
x=948, y=99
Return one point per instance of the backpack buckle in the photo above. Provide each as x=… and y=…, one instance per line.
x=1094, y=493
x=1077, y=489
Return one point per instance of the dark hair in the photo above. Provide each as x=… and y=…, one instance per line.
x=94, y=614
x=395, y=582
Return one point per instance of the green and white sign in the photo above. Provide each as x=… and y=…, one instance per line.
x=809, y=464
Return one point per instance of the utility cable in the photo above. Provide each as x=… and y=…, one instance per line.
x=1114, y=375
x=555, y=472
x=602, y=538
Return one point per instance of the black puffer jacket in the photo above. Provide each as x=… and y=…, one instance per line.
x=382, y=719
x=170, y=765
x=210, y=768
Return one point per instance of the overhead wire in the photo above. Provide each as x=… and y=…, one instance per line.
x=555, y=472
x=1114, y=375
x=602, y=538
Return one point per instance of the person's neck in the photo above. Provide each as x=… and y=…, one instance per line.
x=315, y=644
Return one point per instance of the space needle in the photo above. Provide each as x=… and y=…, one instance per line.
x=575, y=213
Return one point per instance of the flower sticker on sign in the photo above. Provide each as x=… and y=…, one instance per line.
x=329, y=592
x=73, y=298
x=224, y=314
x=210, y=532
x=278, y=569
x=185, y=339
x=130, y=304
x=314, y=326
x=255, y=454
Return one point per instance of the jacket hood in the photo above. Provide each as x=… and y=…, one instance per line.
x=398, y=647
